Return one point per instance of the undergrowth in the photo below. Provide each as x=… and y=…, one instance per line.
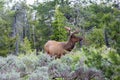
x=85, y=64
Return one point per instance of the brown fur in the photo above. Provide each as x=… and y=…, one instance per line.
x=57, y=49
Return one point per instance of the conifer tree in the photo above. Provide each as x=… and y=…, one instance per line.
x=6, y=42
x=59, y=33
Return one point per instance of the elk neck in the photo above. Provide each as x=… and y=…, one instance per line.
x=69, y=45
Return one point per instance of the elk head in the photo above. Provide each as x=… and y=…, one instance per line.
x=72, y=39
x=72, y=36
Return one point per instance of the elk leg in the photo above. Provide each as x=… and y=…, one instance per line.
x=65, y=52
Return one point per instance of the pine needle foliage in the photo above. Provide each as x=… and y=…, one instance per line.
x=59, y=33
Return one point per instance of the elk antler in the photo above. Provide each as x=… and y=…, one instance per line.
x=75, y=32
x=68, y=30
x=71, y=33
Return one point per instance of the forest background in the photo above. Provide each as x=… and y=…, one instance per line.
x=25, y=28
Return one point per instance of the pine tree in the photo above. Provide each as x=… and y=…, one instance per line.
x=25, y=47
x=6, y=42
x=59, y=33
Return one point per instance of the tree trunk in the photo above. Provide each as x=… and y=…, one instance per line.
x=33, y=35
x=106, y=38
x=20, y=28
x=14, y=34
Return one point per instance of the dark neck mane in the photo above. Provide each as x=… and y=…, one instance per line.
x=69, y=45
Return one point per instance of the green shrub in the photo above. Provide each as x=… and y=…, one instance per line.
x=102, y=63
x=104, y=59
x=41, y=73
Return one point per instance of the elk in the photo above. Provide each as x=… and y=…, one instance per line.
x=57, y=49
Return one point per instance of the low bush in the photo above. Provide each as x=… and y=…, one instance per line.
x=85, y=64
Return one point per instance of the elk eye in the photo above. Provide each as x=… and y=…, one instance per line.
x=73, y=36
